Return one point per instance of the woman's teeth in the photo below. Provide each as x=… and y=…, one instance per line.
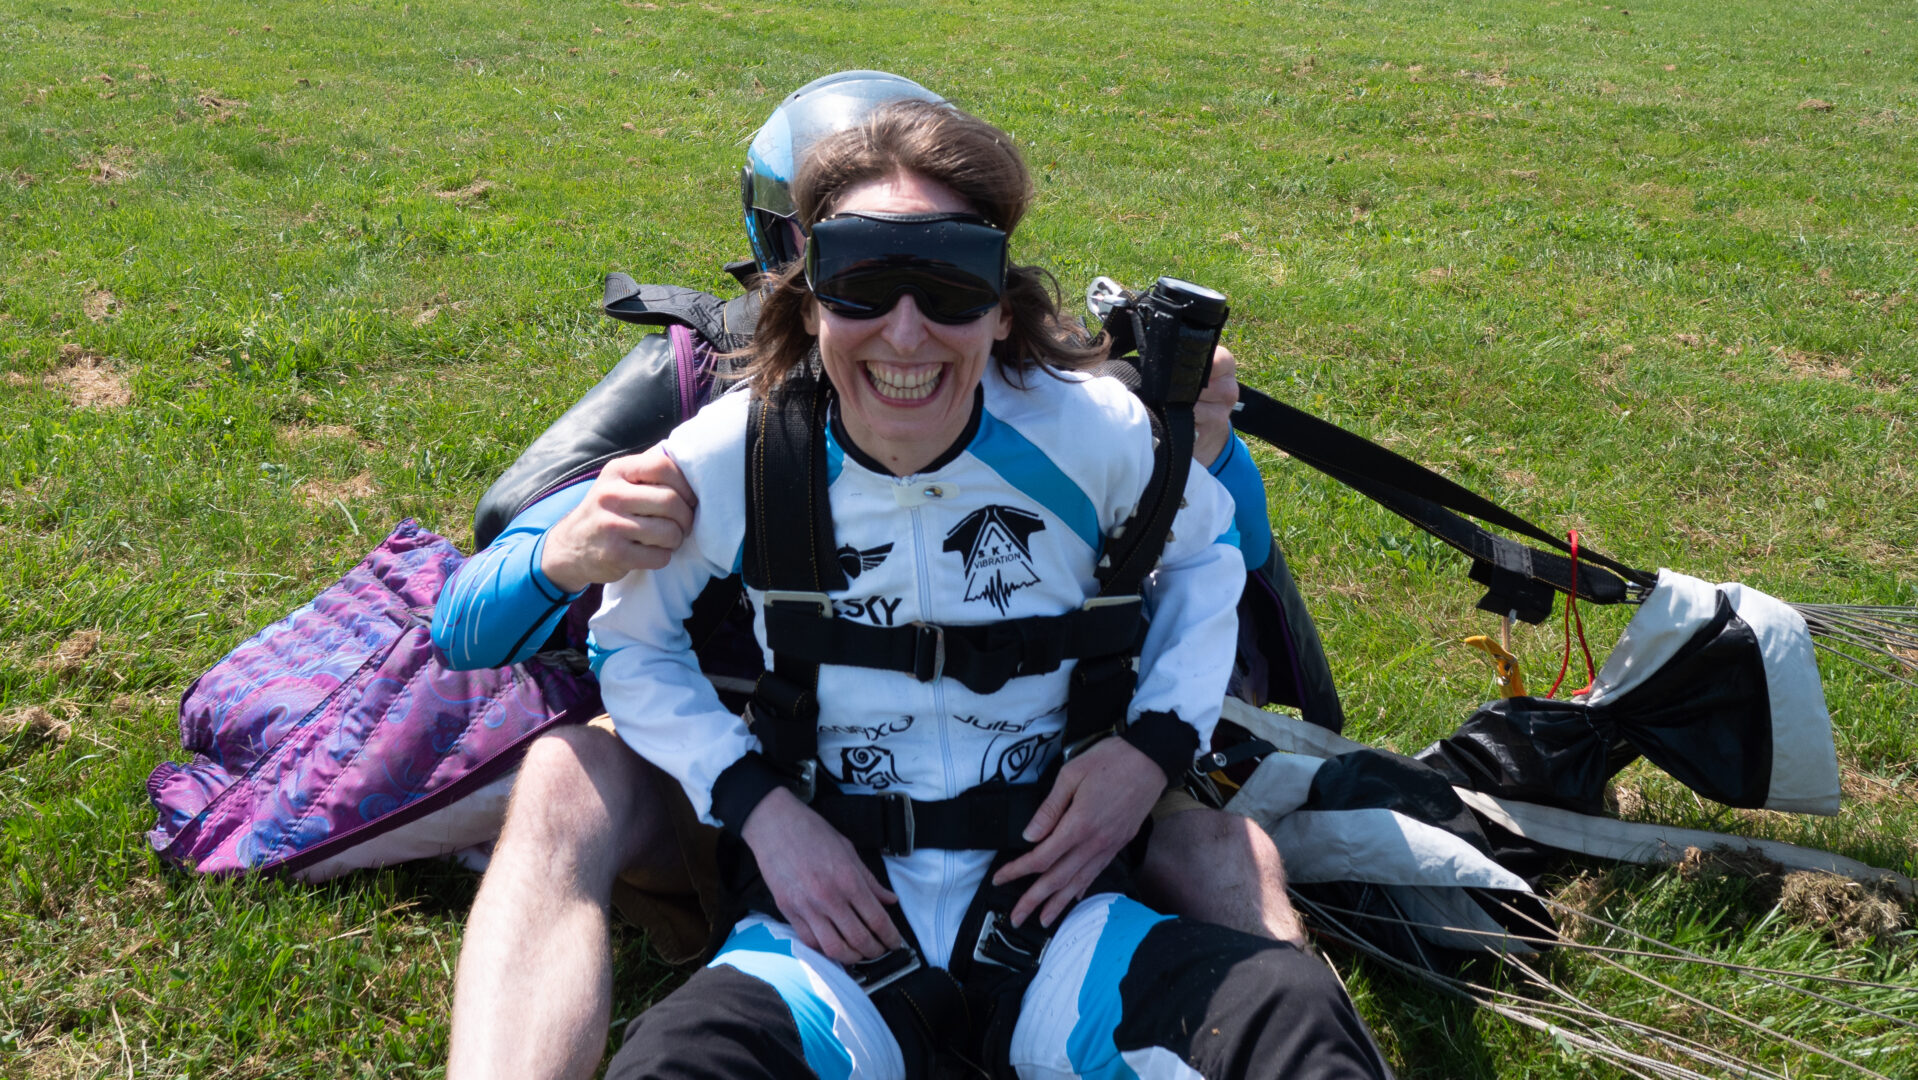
x=911, y=384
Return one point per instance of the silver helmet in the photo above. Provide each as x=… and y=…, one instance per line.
x=822, y=107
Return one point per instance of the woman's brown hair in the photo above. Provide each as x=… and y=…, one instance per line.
x=950, y=147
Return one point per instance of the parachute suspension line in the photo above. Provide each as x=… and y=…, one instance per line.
x=1750, y=1025
x=1579, y=1013
x=1880, y=634
x=1572, y=617
x=1570, y=1025
x=1548, y=938
x=1679, y=953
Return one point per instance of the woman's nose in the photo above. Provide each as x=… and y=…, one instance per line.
x=904, y=328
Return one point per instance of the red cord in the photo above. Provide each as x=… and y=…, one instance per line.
x=1572, y=618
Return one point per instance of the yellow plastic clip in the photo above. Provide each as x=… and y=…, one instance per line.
x=1511, y=680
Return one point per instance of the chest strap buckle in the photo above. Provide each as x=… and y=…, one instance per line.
x=928, y=652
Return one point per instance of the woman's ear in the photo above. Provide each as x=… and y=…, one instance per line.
x=1004, y=329
x=809, y=316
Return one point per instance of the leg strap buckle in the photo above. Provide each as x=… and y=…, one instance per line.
x=882, y=971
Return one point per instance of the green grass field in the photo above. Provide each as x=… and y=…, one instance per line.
x=274, y=276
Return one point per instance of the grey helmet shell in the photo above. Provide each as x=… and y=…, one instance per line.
x=822, y=107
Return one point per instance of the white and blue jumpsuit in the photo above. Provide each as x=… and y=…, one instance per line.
x=1009, y=523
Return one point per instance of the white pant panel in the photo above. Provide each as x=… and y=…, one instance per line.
x=855, y=1024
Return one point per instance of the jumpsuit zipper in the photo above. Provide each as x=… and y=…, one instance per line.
x=940, y=915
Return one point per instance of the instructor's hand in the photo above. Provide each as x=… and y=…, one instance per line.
x=832, y=901
x=634, y=517
x=1212, y=413
x=1094, y=809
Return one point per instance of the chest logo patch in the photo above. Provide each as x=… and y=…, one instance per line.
x=994, y=541
x=856, y=562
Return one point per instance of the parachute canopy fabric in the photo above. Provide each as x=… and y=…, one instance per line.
x=1386, y=840
x=1715, y=684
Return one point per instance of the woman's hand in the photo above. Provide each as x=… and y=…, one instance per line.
x=1212, y=413
x=634, y=517
x=1094, y=809
x=832, y=901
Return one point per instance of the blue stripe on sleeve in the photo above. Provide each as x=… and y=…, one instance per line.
x=499, y=608
x=1026, y=467
x=1251, y=521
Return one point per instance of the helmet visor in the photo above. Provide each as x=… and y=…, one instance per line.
x=954, y=265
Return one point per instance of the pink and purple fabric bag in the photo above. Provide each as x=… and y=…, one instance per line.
x=335, y=739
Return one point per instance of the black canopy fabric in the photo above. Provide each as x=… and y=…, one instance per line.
x=1715, y=684
x=1385, y=842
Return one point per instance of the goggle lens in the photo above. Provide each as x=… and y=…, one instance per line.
x=954, y=265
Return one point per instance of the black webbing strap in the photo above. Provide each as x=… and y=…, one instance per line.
x=1101, y=688
x=1132, y=554
x=789, y=538
x=990, y=817
x=982, y=657
x=1519, y=577
x=789, y=556
x=664, y=305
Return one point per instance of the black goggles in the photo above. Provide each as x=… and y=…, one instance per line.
x=954, y=265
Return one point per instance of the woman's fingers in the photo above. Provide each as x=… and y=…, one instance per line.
x=869, y=905
x=826, y=893
x=1072, y=857
x=856, y=937
x=849, y=919
x=1053, y=809
x=1108, y=791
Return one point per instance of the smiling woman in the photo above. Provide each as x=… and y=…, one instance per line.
x=931, y=823
x=906, y=372
x=906, y=287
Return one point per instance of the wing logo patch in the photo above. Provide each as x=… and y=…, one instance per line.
x=995, y=543
x=856, y=562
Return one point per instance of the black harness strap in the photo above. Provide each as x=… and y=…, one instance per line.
x=983, y=658
x=1102, y=686
x=990, y=817
x=1519, y=578
x=786, y=486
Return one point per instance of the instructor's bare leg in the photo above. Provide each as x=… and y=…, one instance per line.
x=533, y=996
x=1221, y=868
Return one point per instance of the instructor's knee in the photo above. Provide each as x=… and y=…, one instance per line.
x=577, y=787
x=1214, y=846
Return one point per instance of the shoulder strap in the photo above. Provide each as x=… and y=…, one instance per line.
x=789, y=555
x=789, y=533
x=664, y=305
x=1519, y=578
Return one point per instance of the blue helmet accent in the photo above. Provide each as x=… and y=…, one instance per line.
x=819, y=108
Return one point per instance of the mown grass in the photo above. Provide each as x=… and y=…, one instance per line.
x=1647, y=273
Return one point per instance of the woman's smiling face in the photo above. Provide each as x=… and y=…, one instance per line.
x=905, y=383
